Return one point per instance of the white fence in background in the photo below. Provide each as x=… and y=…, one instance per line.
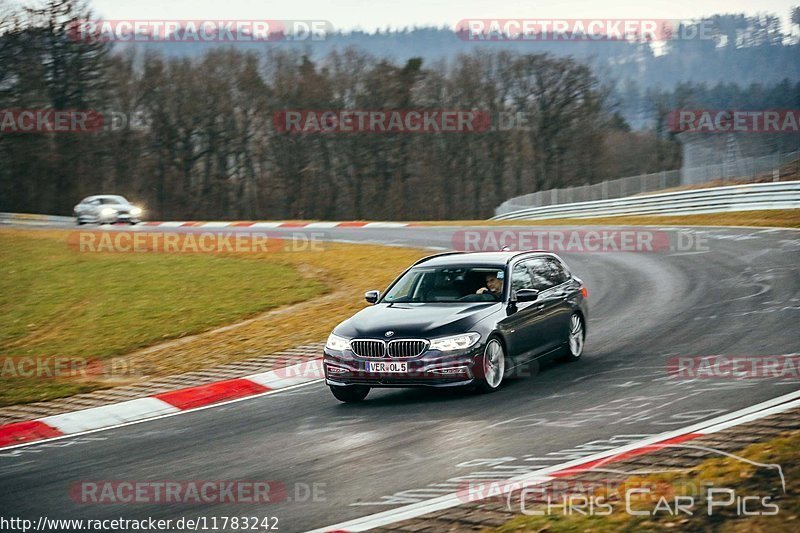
x=741, y=168
x=755, y=196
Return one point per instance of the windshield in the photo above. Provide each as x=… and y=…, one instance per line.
x=448, y=284
x=113, y=200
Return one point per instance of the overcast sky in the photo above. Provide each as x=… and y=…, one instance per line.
x=371, y=14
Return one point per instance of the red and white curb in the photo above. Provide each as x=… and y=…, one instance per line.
x=544, y=475
x=271, y=225
x=166, y=403
x=25, y=218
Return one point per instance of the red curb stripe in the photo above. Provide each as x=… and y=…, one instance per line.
x=29, y=431
x=578, y=469
x=211, y=393
x=351, y=224
x=293, y=224
x=247, y=224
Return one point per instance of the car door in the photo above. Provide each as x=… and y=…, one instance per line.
x=551, y=279
x=522, y=325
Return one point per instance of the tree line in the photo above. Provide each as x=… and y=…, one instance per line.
x=193, y=137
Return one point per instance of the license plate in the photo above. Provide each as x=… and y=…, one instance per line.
x=387, y=366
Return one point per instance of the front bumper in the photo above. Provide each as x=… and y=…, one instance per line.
x=431, y=369
x=125, y=218
x=121, y=217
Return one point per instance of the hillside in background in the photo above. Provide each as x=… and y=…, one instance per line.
x=738, y=50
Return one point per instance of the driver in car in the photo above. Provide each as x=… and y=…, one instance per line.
x=494, y=285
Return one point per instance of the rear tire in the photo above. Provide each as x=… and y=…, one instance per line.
x=494, y=366
x=352, y=394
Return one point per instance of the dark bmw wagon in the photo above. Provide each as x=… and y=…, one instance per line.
x=459, y=319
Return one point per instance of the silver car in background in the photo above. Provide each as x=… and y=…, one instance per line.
x=107, y=209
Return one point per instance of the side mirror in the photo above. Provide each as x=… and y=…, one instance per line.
x=372, y=296
x=526, y=295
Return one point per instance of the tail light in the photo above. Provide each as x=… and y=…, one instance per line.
x=584, y=292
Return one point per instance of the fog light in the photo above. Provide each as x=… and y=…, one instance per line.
x=450, y=370
x=335, y=369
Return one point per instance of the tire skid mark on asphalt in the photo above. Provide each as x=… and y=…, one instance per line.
x=712, y=269
x=623, y=411
x=447, y=501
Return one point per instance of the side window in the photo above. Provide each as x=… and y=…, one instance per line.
x=547, y=273
x=539, y=271
x=521, y=277
x=559, y=273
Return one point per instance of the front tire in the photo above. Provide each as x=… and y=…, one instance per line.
x=576, y=339
x=494, y=366
x=352, y=394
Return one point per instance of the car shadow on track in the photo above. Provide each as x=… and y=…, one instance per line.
x=519, y=381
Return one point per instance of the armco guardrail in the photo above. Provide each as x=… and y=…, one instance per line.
x=34, y=220
x=750, y=197
x=739, y=168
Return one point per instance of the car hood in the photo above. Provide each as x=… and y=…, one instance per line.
x=415, y=319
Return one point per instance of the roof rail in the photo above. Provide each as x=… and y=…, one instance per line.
x=525, y=252
x=426, y=258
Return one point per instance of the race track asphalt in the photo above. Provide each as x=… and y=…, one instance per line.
x=736, y=294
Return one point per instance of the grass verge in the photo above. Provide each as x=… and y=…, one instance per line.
x=746, y=480
x=784, y=218
x=59, y=303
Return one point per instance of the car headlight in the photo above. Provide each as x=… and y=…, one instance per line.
x=107, y=211
x=456, y=342
x=136, y=211
x=337, y=343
